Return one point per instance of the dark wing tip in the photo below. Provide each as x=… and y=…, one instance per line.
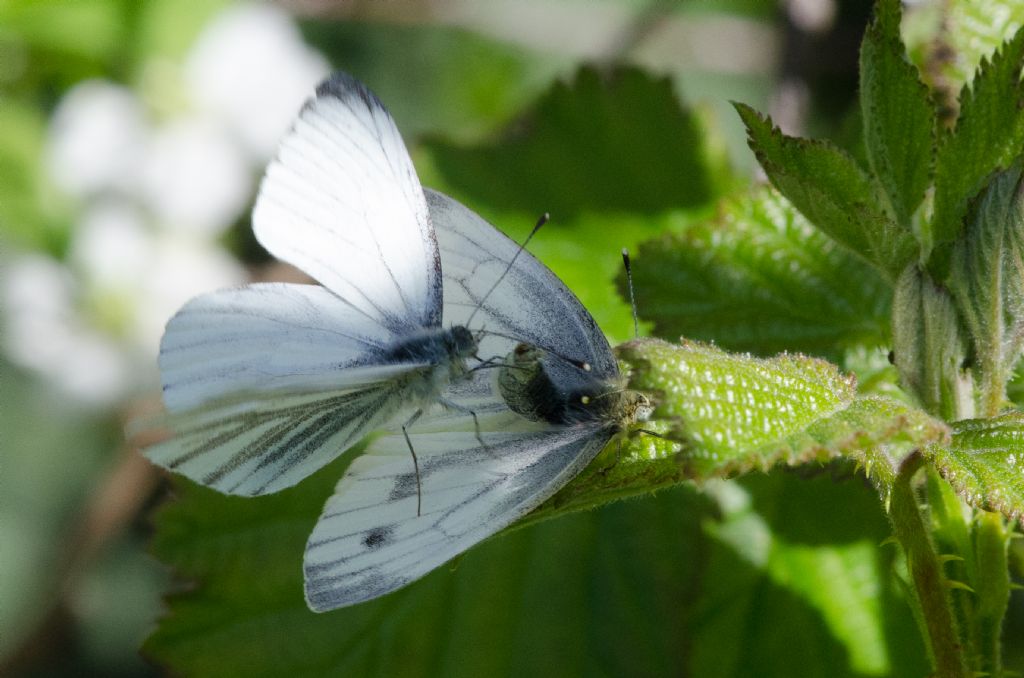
x=347, y=89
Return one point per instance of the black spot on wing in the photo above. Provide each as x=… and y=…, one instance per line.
x=377, y=537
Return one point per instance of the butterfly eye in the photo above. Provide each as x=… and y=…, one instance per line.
x=585, y=400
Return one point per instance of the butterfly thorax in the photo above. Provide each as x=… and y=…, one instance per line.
x=576, y=396
x=444, y=350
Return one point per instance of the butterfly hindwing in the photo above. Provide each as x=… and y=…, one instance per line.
x=369, y=539
x=265, y=441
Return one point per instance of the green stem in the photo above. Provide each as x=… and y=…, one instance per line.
x=993, y=388
x=992, y=589
x=926, y=573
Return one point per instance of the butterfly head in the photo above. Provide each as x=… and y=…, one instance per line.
x=616, y=407
x=542, y=388
x=460, y=342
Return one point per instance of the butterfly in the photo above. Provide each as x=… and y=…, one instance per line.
x=267, y=383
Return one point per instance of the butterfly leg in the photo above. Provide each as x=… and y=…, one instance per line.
x=415, y=461
x=465, y=410
x=490, y=363
x=618, y=456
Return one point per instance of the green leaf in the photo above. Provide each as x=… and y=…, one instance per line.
x=984, y=463
x=929, y=347
x=878, y=432
x=617, y=141
x=832, y=191
x=567, y=598
x=899, y=120
x=987, y=282
x=772, y=567
x=723, y=434
x=434, y=77
x=950, y=526
x=52, y=45
x=88, y=29
x=735, y=413
x=165, y=31
x=729, y=403
x=951, y=530
x=988, y=136
x=760, y=278
x=641, y=588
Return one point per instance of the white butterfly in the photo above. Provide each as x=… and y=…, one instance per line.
x=268, y=383
x=273, y=381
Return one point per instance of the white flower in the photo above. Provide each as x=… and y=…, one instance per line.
x=195, y=178
x=111, y=247
x=43, y=332
x=251, y=67
x=97, y=137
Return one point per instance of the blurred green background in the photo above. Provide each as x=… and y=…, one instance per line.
x=132, y=137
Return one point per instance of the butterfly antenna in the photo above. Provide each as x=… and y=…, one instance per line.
x=540, y=222
x=579, y=364
x=632, y=296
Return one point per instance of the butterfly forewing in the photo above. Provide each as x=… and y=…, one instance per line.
x=343, y=203
x=530, y=303
x=269, y=336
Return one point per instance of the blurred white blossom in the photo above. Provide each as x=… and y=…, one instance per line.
x=97, y=138
x=44, y=332
x=111, y=248
x=123, y=265
x=251, y=67
x=195, y=178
